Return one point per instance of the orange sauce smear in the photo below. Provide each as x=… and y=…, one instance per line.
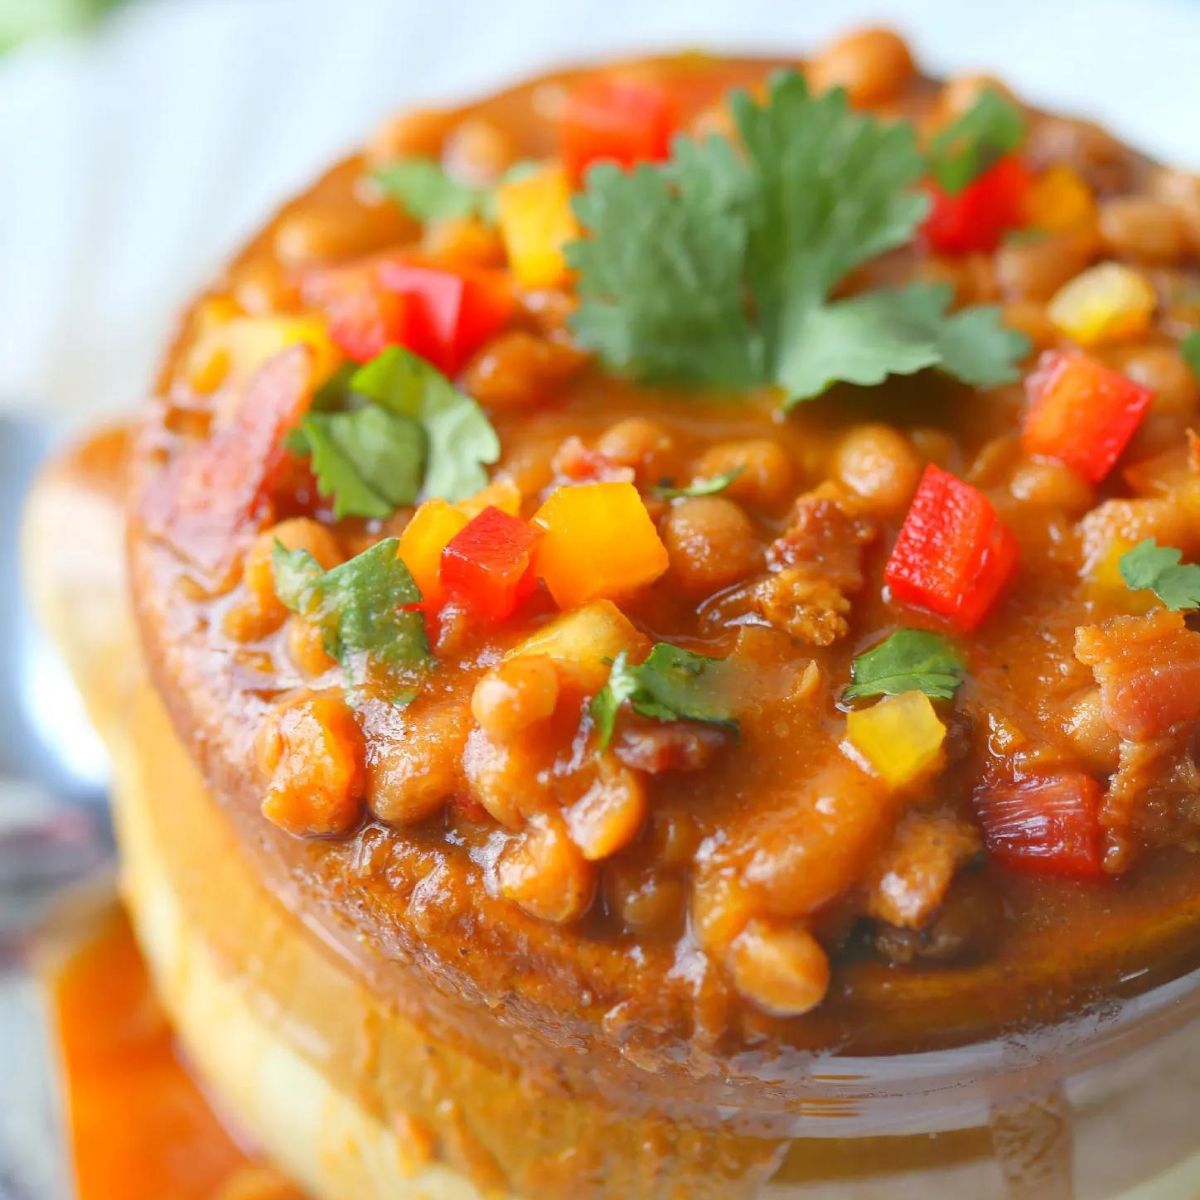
x=140, y=1128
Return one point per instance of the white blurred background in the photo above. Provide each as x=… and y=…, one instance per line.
x=136, y=154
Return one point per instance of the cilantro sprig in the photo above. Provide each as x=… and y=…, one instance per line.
x=1158, y=568
x=403, y=430
x=720, y=267
x=909, y=660
x=427, y=191
x=366, y=611
x=671, y=684
x=992, y=127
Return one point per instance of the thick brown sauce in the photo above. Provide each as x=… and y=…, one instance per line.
x=647, y=1018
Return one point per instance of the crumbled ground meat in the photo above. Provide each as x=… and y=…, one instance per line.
x=818, y=563
x=916, y=870
x=804, y=605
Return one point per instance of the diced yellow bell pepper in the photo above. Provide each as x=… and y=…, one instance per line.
x=600, y=542
x=1106, y=303
x=1060, y=201
x=900, y=737
x=423, y=540
x=535, y=218
x=234, y=348
x=1104, y=586
x=588, y=638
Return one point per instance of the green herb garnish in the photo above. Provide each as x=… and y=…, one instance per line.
x=702, y=487
x=911, y=660
x=368, y=460
x=992, y=127
x=1189, y=347
x=424, y=189
x=404, y=430
x=671, y=684
x=718, y=268
x=365, y=609
x=1158, y=568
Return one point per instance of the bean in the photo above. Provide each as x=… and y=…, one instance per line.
x=418, y=132
x=639, y=443
x=478, y=151
x=306, y=646
x=1182, y=190
x=780, y=967
x=311, y=751
x=765, y=471
x=1051, y=485
x=1143, y=229
x=873, y=65
x=319, y=236
x=609, y=815
x=520, y=369
x=410, y=777
x=545, y=873
x=880, y=465
x=261, y=611
x=1161, y=369
x=710, y=543
x=645, y=901
x=514, y=695
x=1035, y=270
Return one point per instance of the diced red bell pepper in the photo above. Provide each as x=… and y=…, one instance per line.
x=216, y=495
x=616, y=119
x=444, y=316
x=977, y=217
x=1081, y=413
x=954, y=554
x=1045, y=826
x=486, y=564
x=365, y=317
x=452, y=313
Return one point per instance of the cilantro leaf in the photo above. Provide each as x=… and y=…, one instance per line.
x=661, y=275
x=702, y=487
x=717, y=268
x=424, y=189
x=368, y=459
x=365, y=609
x=460, y=439
x=1189, y=347
x=992, y=127
x=671, y=684
x=1158, y=568
x=910, y=660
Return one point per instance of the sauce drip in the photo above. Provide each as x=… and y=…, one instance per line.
x=139, y=1125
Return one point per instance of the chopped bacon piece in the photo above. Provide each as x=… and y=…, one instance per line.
x=1045, y=826
x=1148, y=669
x=212, y=499
x=669, y=746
